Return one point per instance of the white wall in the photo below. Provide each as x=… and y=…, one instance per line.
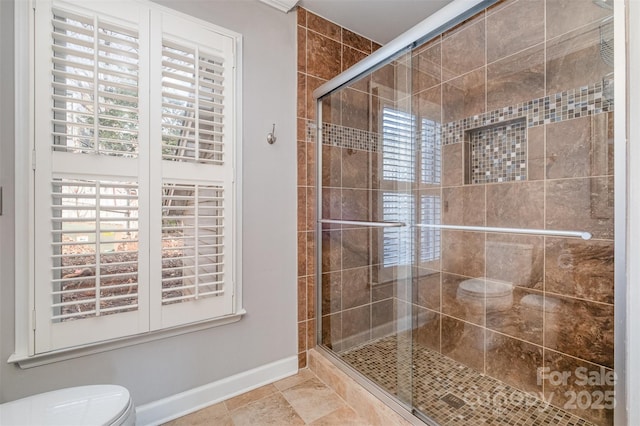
x=267, y=333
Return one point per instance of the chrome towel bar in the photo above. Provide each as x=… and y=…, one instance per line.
x=552, y=232
x=362, y=223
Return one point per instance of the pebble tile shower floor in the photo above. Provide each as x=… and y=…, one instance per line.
x=449, y=392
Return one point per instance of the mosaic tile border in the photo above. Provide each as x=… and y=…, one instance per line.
x=584, y=101
x=345, y=137
x=499, y=152
x=438, y=381
x=575, y=103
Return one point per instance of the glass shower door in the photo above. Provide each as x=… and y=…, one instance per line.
x=367, y=212
x=513, y=285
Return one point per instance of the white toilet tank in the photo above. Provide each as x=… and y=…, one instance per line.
x=84, y=405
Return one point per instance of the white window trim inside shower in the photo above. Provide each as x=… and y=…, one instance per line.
x=155, y=325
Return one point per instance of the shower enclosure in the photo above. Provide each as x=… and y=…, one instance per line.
x=465, y=233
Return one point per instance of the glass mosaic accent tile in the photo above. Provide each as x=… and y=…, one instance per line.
x=440, y=384
x=345, y=137
x=575, y=103
x=499, y=153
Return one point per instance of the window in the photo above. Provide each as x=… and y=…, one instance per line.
x=135, y=141
x=400, y=165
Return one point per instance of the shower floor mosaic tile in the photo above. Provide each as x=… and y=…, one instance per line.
x=449, y=392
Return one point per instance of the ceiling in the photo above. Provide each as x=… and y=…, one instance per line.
x=378, y=20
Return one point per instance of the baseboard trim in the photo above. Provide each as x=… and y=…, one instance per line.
x=183, y=403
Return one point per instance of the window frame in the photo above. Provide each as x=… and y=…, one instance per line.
x=24, y=350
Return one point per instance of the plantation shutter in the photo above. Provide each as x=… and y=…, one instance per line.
x=134, y=166
x=88, y=274
x=191, y=205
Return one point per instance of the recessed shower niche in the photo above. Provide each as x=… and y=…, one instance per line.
x=496, y=153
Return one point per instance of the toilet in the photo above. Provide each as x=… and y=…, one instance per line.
x=531, y=307
x=480, y=294
x=83, y=405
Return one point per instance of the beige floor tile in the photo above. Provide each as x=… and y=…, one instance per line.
x=344, y=416
x=249, y=397
x=215, y=413
x=302, y=376
x=271, y=410
x=313, y=399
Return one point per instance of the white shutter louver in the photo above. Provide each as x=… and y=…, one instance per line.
x=95, y=86
x=431, y=152
x=429, y=237
x=398, y=131
x=192, y=242
x=95, y=248
x=397, y=207
x=192, y=105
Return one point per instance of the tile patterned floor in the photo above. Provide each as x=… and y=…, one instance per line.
x=302, y=399
x=449, y=392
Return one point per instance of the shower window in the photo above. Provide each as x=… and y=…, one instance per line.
x=399, y=165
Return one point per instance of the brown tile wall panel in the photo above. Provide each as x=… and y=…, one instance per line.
x=514, y=362
x=560, y=313
x=516, y=78
x=524, y=18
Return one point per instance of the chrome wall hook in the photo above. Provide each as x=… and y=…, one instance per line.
x=271, y=137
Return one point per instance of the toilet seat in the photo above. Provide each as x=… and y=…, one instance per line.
x=482, y=287
x=83, y=405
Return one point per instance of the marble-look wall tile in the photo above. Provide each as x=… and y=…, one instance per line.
x=382, y=319
x=426, y=328
x=574, y=60
x=464, y=50
x=569, y=148
x=330, y=104
x=452, y=168
x=516, y=78
x=566, y=15
x=514, y=362
x=516, y=259
x=463, y=205
x=584, y=204
x=427, y=67
x=331, y=251
x=350, y=57
x=580, y=328
x=326, y=28
x=302, y=298
x=331, y=207
x=463, y=253
x=516, y=205
x=301, y=153
x=536, y=160
x=301, y=110
x=356, y=41
x=428, y=104
x=311, y=208
x=464, y=96
x=356, y=171
x=523, y=319
x=356, y=204
x=569, y=394
x=302, y=49
x=302, y=254
x=463, y=342
x=356, y=287
x=578, y=268
x=355, y=109
x=459, y=304
x=355, y=248
x=515, y=27
x=323, y=56
x=331, y=292
x=356, y=326
x=331, y=166
x=332, y=331
x=426, y=289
